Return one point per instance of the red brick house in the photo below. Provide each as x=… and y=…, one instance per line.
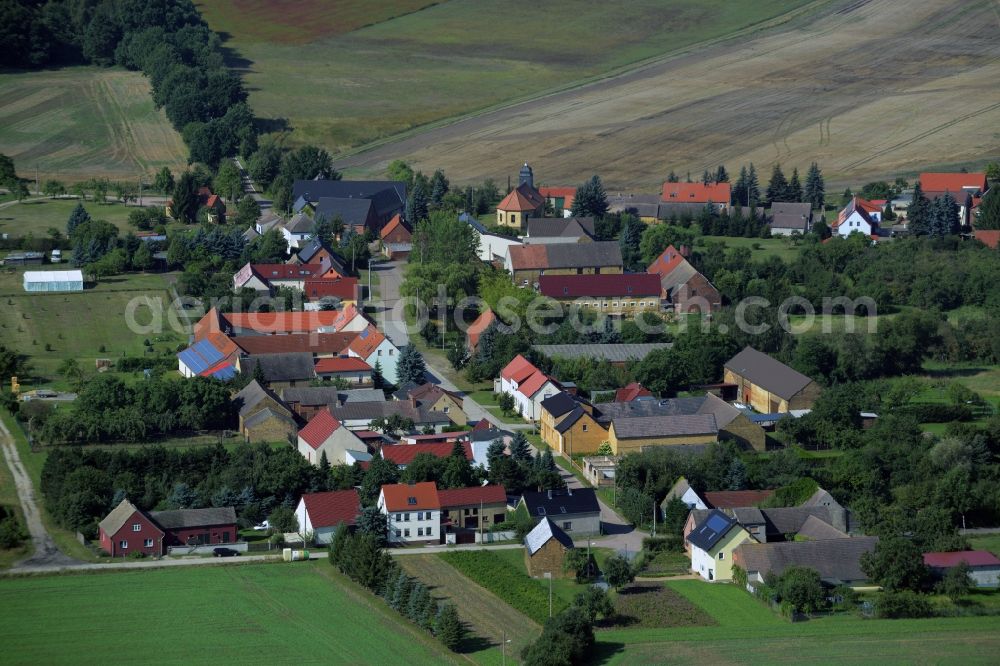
x=128, y=529
x=395, y=231
x=682, y=287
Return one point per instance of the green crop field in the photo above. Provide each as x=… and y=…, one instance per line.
x=35, y=217
x=270, y=613
x=77, y=325
x=750, y=633
x=84, y=122
x=342, y=87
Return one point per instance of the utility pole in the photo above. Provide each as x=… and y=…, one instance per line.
x=550, y=594
x=654, y=518
x=369, y=278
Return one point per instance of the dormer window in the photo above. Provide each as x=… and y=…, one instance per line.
x=412, y=501
x=541, y=511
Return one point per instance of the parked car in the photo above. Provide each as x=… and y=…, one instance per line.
x=225, y=552
x=263, y=526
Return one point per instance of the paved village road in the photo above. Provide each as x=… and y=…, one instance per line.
x=47, y=555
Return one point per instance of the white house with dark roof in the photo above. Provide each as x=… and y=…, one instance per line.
x=575, y=511
x=712, y=543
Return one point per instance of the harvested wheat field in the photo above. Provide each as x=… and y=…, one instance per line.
x=866, y=88
x=85, y=122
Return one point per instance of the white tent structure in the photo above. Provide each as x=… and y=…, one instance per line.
x=53, y=280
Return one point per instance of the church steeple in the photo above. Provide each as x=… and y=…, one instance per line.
x=526, y=176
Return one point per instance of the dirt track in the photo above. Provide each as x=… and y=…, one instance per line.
x=866, y=88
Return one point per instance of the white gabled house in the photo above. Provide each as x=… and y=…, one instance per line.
x=528, y=385
x=859, y=216
x=373, y=347
x=325, y=434
x=413, y=511
x=319, y=514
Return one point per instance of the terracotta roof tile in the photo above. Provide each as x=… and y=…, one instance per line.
x=411, y=497
x=696, y=193
x=403, y=454
x=319, y=428
x=332, y=508
x=491, y=494
x=341, y=364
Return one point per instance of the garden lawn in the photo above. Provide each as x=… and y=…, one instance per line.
x=270, y=613
x=76, y=325
x=990, y=542
x=36, y=217
x=760, y=248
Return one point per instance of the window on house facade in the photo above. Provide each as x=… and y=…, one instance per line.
x=148, y=543
x=406, y=517
x=391, y=351
x=585, y=427
x=722, y=556
x=398, y=534
x=136, y=527
x=567, y=525
x=420, y=531
x=123, y=544
x=406, y=532
x=399, y=517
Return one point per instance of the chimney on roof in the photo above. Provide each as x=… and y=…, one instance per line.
x=569, y=491
x=550, y=493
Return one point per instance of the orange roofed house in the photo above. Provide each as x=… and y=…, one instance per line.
x=325, y=434
x=413, y=511
x=527, y=384
x=523, y=202
x=967, y=189
x=682, y=287
x=686, y=196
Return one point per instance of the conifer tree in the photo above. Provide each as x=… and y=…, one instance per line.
x=918, y=214
x=720, y=175
x=590, y=199
x=815, y=190
x=989, y=210
x=753, y=187
x=777, y=188
x=77, y=216
x=706, y=177
x=794, y=187
x=411, y=367
x=519, y=447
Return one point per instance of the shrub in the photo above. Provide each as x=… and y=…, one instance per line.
x=902, y=604
x=663, y=544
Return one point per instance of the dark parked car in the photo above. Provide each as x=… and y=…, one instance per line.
x=225, y=552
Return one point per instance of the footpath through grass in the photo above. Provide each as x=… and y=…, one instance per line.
x=267, y=613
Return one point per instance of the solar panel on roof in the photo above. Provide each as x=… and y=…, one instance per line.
x=205, y=349
x=194, y=361
x=717, y=523
x=225, y=372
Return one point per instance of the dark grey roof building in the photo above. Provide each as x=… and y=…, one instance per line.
x=282, y=368
x=838, y=561
x=184, y=518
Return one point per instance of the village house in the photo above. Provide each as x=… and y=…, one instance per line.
x=528, y=385
x=358, y=415
x=967, y=189
x=702, y=194
x=527, y=262
x=522, y=203
x=635, y=434
x=767, y=385
x=859, y=216
x=436, y=398
x=539, y=231
x=633, y=391
x=464, y=511
x=682, y=287
x=297, y=230
x=545, y=549
x=317, y=345
x=575, y=511
x=646, y=207
x=214, y=356
x=372, y=347
x=345, y=290
x=386, y=198
x=492, y=247
x=350, y=369
x=403, y=454
x=307, y=400
x=320, y=514
x=984, y=567
x=264, y=417
x=838, y=561
x=600, y=470
x=476, y=328
x=559, y=199
x=283, y=370
x=621, y=295
x=128, y=530
x=325, y=434
x=315, y=251
x=712, y=543
x=567, y=425
x=413, y=511
x=789, y=218
x=268, y=277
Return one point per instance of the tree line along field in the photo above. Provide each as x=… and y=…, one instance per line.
x=341, y=87
x=35, y=216
x=300, y=613
x=80, y=123
x=886, y=104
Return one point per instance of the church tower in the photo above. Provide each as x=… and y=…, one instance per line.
x=526, y=176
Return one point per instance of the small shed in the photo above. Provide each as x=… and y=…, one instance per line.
x=984, y=566
x=53, y=281
x=545, y=549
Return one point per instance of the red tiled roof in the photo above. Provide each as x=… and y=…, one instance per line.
x=398, y=496
x=575, y=286
x=521, y=199
x=528, y=256
x=631, y=392
x=391, y=225
x=341, y=364
x=477, y=327
x=317, y=343
x=366, y=342
x=213, y=200
x=696, y=193
x=403, y=454
x=952, y=182
x=483, y=424
x=319, y=428
x=332, y=508
x=988, y=237
x=666, y=262
x=532, y=384
x=974, y=558
x=469, y=496
x=283, y=322
x=344, y=288
x=870, y=206
x=518, y=369
x=436, y=438
x=735, y=499
x=553, y=192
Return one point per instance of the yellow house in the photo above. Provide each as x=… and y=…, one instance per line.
x=617, y=294
x=568, y=425
x=521, y=203
x=436, y=399
x=527, y=262
x=767, y=385
x=712, y=544
x=634, y=434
